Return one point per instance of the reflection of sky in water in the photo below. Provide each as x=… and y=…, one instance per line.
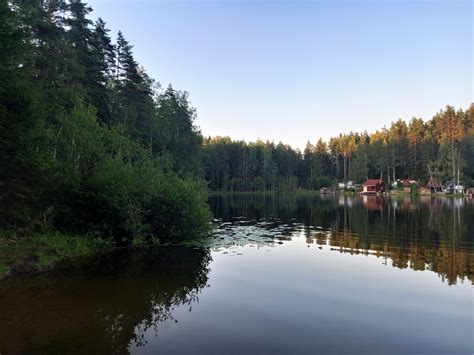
x=298, y=298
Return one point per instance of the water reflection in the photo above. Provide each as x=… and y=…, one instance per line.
x=259, y=301
x=421, y=233
x=100, y=307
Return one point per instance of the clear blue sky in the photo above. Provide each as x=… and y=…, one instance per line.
x=295, y=71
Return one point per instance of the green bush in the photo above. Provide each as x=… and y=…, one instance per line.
x=107, y=185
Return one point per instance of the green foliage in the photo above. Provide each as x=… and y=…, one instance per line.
x=87, y=144
x=401, y=151
x=178, y=135
x=19, y=122
x=109, y=185
x=55, y=247
x=38, y=252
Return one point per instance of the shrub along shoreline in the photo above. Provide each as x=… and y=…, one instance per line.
x=42, y=252
x=95, y=155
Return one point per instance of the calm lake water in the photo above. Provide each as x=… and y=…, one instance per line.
x=282, y=274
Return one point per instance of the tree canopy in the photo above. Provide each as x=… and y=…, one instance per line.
x=89, y=142
x=442, y=145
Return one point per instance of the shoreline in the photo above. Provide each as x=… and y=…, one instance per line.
x=43, y=252
x=339, y=193
x=295, y=192
x=39, y=253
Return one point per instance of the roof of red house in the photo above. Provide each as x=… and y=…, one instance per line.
x=373, y=182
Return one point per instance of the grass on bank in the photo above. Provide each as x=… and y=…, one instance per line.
x=36, y=253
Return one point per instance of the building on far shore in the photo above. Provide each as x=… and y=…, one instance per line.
x=407, y=185
x=470, y=192
x=373, y=186
x=327, y=191
x=433, y=186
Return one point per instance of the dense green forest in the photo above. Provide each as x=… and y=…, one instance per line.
x=89, y=143
x=444, y=145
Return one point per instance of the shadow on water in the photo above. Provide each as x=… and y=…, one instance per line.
x=421, y=233
x=103, y=306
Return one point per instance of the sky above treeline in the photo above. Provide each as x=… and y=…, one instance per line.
x=294, y=71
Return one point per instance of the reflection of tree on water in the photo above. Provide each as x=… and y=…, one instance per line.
x=431, y=234
x=119, y=298
x=421, y=233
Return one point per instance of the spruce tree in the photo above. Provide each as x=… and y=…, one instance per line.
x=79, y=37
x=133, y=97
x=19, y=122
x=101, y=71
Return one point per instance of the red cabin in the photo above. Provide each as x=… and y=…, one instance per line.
x=373, y=186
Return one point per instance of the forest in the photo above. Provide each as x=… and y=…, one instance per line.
x=92, y=146
x=443, y=145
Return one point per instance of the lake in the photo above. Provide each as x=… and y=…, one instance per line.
x=281, y=274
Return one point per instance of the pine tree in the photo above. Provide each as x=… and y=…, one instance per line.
x=103, y=52
x=133, y=104
x=79, y=36
x=19, y=122
x=43, y=22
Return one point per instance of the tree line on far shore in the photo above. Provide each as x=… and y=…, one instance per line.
x=441, y=148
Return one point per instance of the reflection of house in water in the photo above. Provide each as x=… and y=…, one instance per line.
x=457, y=202
x=430, y=200
x=430, y=232
x=434, y=235
x=450, y=262
x=321, y=238
x=346, y=201
x=438, y=202
x=373, y=203
x=403, y=203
